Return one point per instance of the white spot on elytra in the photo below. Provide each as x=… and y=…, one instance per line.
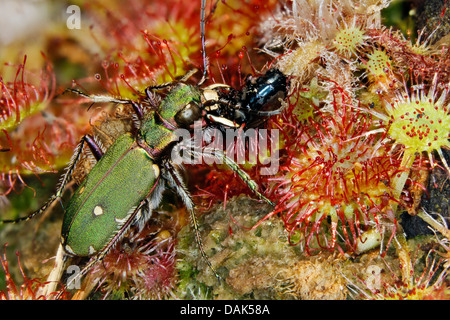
x=69, y=249
x=98, y=210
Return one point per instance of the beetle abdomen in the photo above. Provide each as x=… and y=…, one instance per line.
x=121, y=179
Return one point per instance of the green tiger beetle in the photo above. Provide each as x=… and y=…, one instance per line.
x=127, y=181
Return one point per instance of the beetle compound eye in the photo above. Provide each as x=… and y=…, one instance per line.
x=188, y=115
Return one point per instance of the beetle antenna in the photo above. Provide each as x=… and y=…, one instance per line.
x=202, y=36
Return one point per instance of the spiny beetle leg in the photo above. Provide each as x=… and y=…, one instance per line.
x=220, y=155
x=96, y=151
x=172, y=175
x=64, y=180
x=202, y=36
x=55, y=275
x=149, y=89
x=100, y=98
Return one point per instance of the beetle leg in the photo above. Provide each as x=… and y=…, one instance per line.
x=64, y=180
x=174, y=178
x=202, y=37
x=149, y=89
x=220, y=155
x=105, y=99
x=98, y=98
x=99, y=257
x=96, y=150
x=159, y=86
x=150, y=204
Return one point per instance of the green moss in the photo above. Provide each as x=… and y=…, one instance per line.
x=261, y=252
